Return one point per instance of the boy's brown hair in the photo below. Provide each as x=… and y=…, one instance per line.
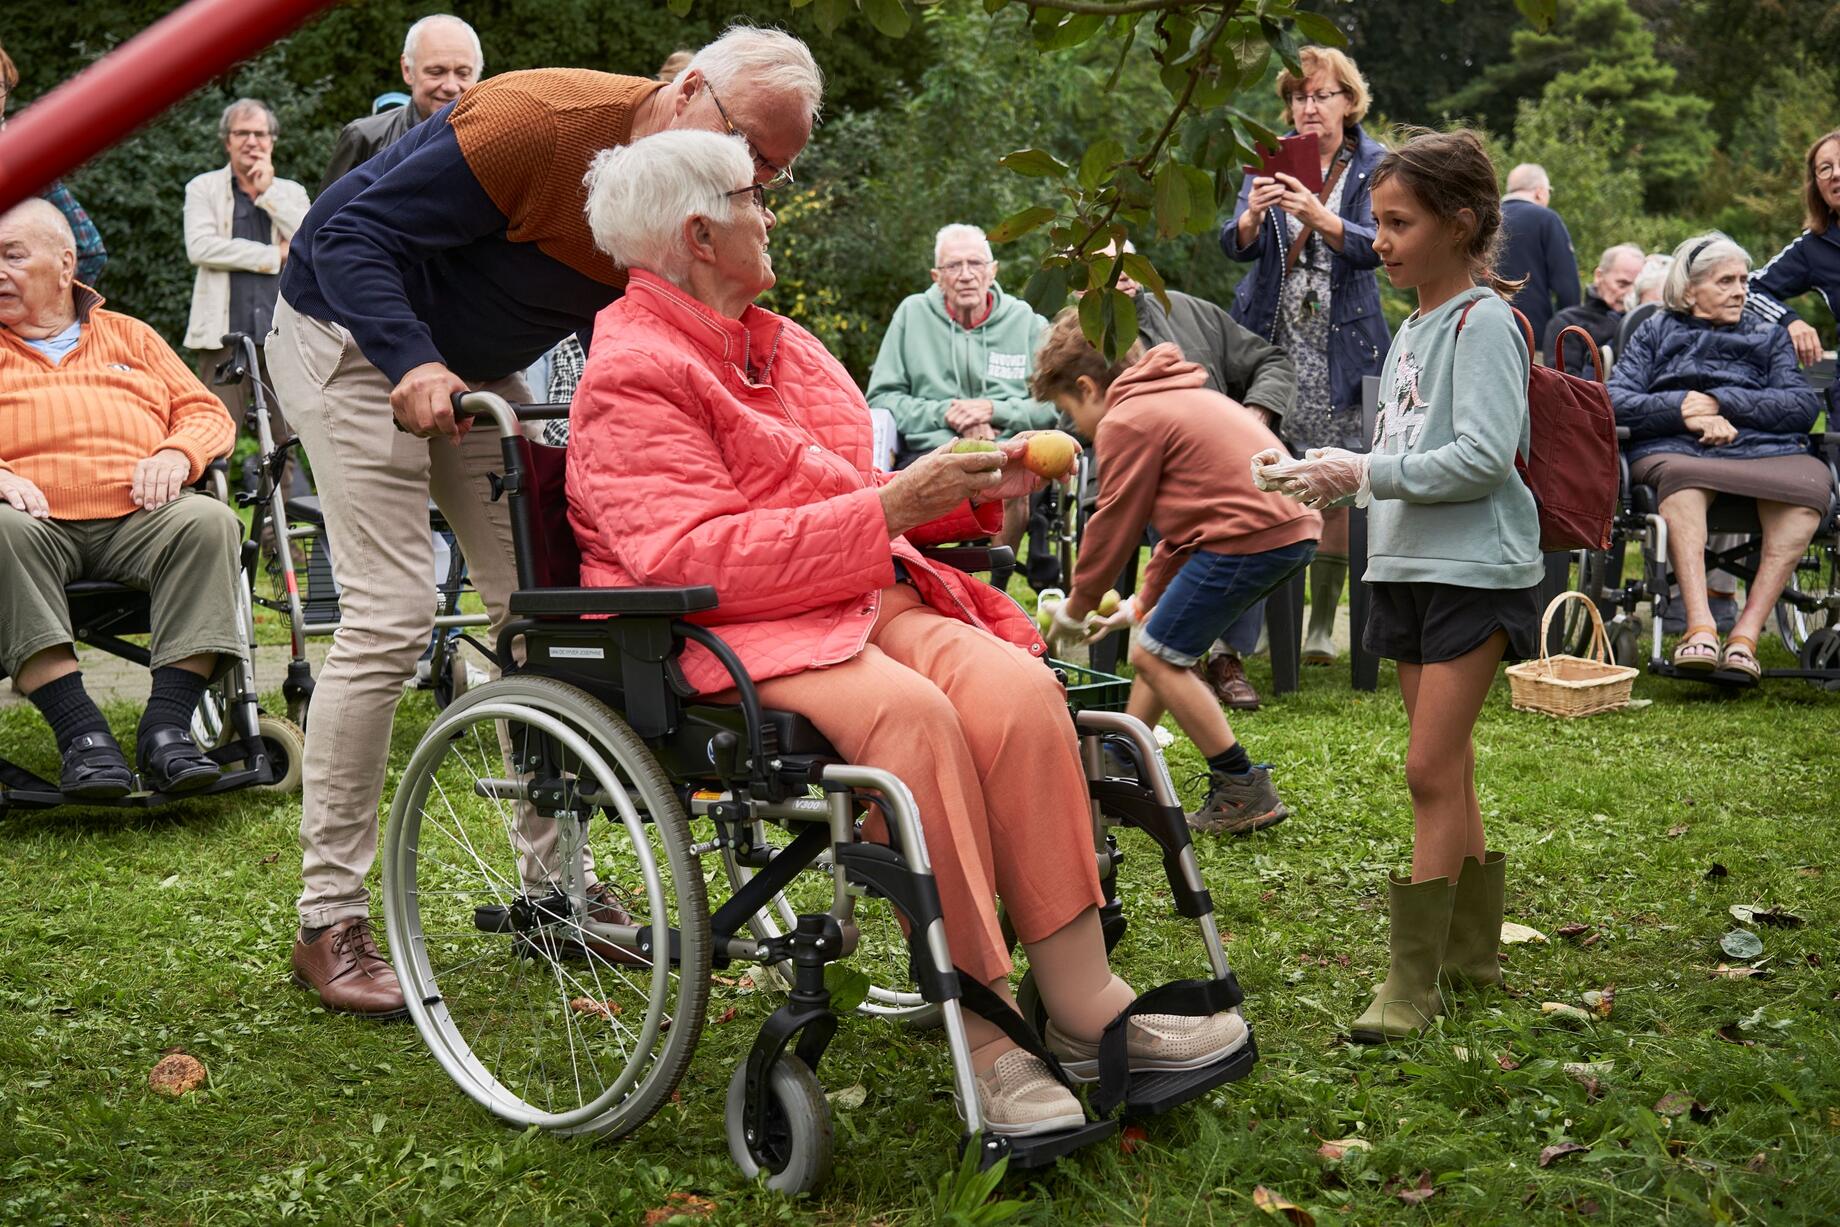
x=1448, y=172
x=1065, y=354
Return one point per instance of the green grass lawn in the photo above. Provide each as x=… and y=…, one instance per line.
x=127, y=935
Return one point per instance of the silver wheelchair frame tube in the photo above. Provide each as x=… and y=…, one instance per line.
x=1658, y=527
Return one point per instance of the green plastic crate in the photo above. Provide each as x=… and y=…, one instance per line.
x=1091, y=690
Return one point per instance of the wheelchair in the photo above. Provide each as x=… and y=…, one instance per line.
x=548, y=1014
x=310, y=602
x=255, y=748
x=1807, y=615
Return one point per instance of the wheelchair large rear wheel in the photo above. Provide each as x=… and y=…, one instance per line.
x=1816, y=578
x=538, y=1020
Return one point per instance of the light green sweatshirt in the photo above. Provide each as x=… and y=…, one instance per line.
x=1448, y=506
x=928, y=360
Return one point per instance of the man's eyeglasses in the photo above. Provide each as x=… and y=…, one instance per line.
x=1320, y=98
x=757, y=190
x=963, y=266
x=778, y=176
x=244, y=134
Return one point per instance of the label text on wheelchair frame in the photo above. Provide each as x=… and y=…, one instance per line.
x=565, y=653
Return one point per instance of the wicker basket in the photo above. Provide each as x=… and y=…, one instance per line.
x=1571, y=685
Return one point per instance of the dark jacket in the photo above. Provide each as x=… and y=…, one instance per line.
x=1811, y=262
x=1536, y=245
x=1748, y=367
x=363, y=139
x=1239, y=364
x=1358, y=335
x=1596, y=317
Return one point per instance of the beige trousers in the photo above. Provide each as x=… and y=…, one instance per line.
x=374, y=485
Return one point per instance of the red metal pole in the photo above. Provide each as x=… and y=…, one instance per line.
x=135, y=83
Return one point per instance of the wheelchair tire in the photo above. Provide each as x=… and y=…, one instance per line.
x=1797, y=626
x=286, y=746
x=537, y=1027
x=796, y=1155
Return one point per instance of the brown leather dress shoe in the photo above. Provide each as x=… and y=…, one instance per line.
x=603, y=908
x=344, y=967
x=1226, y=677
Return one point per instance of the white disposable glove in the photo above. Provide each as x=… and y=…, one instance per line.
x=1098, y=627
x=1261, y=462
x=1327, y=476
x=1064, y=631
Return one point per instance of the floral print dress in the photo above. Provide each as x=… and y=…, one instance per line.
x=1303, y=332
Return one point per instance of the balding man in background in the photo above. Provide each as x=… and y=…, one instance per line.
x=1601, y=312
x=441, y=59
x=1536, y=245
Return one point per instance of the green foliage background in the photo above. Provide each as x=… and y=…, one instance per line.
x=1656, y=118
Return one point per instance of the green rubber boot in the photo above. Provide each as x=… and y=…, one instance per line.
x=1407, y=1000
x=1328, y=575
x=1471, y=957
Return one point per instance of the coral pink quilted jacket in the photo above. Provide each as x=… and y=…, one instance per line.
x=708, y=450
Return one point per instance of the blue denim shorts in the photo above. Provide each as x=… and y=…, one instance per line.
x=1209, y=594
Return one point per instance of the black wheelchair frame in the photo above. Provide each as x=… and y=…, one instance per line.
x=737, y=765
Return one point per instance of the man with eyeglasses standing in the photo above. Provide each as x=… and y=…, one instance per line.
x=449, y=262
x=238, y=220
x=956, y=359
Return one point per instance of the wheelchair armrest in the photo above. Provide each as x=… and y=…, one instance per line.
x=1622, y=434
x=576, y=602
x=970, y=557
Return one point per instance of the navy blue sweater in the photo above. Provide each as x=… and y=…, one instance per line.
x=1536, y=245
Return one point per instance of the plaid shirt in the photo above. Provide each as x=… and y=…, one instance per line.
x=565, y=363
x=91, y=254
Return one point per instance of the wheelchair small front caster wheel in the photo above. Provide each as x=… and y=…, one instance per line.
x=284, y=744
x=796, y=1151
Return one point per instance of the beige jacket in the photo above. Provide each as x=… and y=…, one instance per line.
x=209, y=211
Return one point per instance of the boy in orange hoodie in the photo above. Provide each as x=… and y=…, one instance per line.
x=1178, y=457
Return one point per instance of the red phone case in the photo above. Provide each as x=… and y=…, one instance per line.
x=1295, y=156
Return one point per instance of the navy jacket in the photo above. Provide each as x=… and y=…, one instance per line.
x=1811, y=262
x=1358, y=335
x=1536, y=245
x=1748, y=367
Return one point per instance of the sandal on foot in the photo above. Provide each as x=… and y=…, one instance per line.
x=1740, y=656
x=1698, y=649
x=94, y=769
x=173, y=763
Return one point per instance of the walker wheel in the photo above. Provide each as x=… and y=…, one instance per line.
x=285, y=745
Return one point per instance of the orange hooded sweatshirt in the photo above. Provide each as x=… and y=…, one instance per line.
x=1178, y=457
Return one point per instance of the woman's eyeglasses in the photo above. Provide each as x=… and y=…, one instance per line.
x=757, y=190
x=1320, y=98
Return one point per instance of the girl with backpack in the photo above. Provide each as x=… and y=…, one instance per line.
x=1454, y=550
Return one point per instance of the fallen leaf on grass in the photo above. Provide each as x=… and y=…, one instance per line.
x=1814, y=960
x=1601, y=1002
x=1807, y=871
x=1278, y=1206
x=1418, y=1193
x=1716, y=870
x=1339, y=1148
x=1552, y=1154
x=1725, y=971
x=1741, y=944
x=1729, y=1033
x=679, y=1205
x=271, y=858
x=1677, y=832
x=1560, y=1012
x=849, y=1098
x=1513, y=933
x=176, y=1074
x=1585, y=1207
x=1507, y=1062
x=1131, y=1137
x=1757, y=1162
x=1589, y=1074
x=1573, y=931
x=1676, y=1104
x=1746, y=913
x=607, y=1010
x=727, y=1015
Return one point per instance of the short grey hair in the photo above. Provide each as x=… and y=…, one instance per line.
x=1528, y=177
x=1693, y=260
x=640, y=195
x=1621, y=249
x=769, y=60
x=41, y=214
x=237, y=108
x=960, y=230
x=415, y=33
x=1654, y=273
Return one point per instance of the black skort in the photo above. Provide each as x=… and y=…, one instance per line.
x=1423, y=624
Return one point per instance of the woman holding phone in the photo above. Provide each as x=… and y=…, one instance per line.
x=1312, y=288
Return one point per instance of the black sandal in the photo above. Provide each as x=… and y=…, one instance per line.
x=173, y=763
x=95, y=769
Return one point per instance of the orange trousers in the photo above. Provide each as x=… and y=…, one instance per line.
x=978, y=730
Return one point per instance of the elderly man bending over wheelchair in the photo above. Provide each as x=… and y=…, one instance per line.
x=1714, y=405
x=102, y=427
x=713, y=442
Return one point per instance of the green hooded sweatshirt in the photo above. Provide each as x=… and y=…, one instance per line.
x=928, y=360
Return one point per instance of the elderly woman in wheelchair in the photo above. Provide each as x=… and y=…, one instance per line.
x=1713, y=404
x=760, y=605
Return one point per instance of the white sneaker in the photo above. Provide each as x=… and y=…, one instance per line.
x=1155, y=1042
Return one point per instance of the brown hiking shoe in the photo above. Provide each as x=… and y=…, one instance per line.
x=1240, y=805
x=566, y=940
x=1226, y=677
x=344, y=967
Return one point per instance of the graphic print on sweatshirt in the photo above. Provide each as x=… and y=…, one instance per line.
x=1402, y=415
x=1008, y=366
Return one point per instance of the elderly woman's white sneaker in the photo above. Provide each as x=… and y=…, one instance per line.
x=1155, y=1042
x=1020, y=1098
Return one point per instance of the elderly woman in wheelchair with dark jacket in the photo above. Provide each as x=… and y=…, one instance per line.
x=1714, y=405
x=714, y=442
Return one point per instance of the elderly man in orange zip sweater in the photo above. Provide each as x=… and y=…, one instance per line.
x=102, y=427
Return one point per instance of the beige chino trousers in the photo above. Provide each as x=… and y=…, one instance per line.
x=374, y=484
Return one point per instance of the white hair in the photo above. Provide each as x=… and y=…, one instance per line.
x=959, y=230
x=1528, y=177
x=640, y=195
x=40, y=214
x=1654, y=273
x=771, y=61
x=1693, y=261
x=1609, y=258
x=415, y=33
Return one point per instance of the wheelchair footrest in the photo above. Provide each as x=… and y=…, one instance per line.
x=1151, y=1093
x=1043, y=1148
x=1729, y=678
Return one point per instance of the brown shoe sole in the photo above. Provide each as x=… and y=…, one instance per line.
x=1240, y=826
x=385, y=1016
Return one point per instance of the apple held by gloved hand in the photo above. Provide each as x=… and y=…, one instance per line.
x=1108, y=604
